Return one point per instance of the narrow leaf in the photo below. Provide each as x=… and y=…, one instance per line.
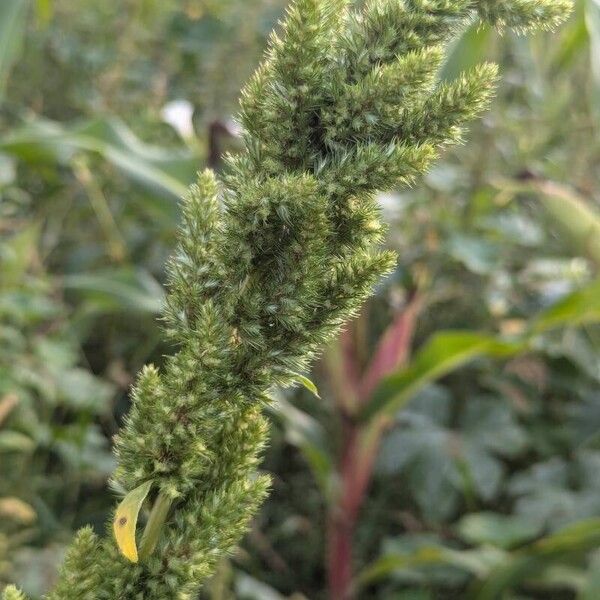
x=387, y=564
x=125, y=520
x=12, y=31
x=157, y=519
x=571, y=542
x=307, y=383
x=165, y=173
x=592, y=21
x=579, y=221
x=392, y=349
x=469, y=50
x=121, y=289
x=578, y=308
x=446, y=351
x=307, y=434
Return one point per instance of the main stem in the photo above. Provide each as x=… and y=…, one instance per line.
x=359, y=448
x=355, y=470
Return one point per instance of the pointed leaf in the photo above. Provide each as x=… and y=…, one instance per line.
x=120, y=289
x=307, y=383
x=446, y=351
x=387, y=564
x=578, y=308
x=154, y=526
x=307, y=434
x=442, y=354
x=392, y=350
x=125, y=520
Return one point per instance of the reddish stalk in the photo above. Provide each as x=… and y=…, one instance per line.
x=360, y=443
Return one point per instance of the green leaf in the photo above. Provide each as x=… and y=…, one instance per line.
x=437, y=462
x=424, y=558
x=569, y=543
x=443, y=353
x=123, y=289
x=592, y=21
x=307, y=434
x=498, y=530
x=387, y=564
x=125, y=520
x=307, y=383
x=579, y=221
x=578, y=308
x=12, y=31
x=155, y=523
x=13, y=441
x=468, y=51
x=446, y=351
x=501, y=571
x=164, y=172
x=573, y=40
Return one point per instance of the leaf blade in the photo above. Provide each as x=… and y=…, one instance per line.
x=125, y=520
x=448, y=350
x=307, y=383
x=12, y=31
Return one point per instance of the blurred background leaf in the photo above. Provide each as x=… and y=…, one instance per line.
x=12, y=29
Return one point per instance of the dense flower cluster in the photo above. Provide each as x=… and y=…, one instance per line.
x=273, y=259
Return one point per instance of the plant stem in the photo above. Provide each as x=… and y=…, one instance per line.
x=158, y=516
x=360, y=445
x=356, y=466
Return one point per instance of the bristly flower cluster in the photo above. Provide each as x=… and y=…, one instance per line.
x=272, y=260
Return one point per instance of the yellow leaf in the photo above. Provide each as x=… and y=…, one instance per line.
x=125, y=520
x=16, y=509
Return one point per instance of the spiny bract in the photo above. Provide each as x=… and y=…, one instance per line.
x=272, y=260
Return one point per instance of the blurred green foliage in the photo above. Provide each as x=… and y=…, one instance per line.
x=87, y=216
x=487, y=483
x=55, y=456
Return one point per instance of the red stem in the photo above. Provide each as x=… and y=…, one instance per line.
x=359, y=450
x=355, y=470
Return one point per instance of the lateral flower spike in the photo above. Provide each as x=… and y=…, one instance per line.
x=12, y=593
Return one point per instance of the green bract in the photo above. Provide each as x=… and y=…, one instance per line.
x=273, y=259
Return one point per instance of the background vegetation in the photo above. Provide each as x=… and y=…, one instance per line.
x=485, y=483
